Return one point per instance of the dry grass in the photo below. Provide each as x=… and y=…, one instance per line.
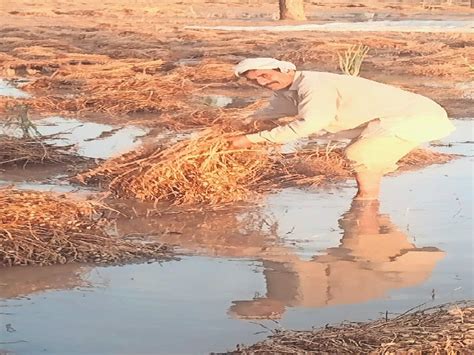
x=81, y=85
x=204, y=170
x=116, y=88
x=38, y=228
x=84, y=83
x=200, y=170
x=24, y=151
x=446, y=329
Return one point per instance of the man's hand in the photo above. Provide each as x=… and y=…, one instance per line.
x=239, y=142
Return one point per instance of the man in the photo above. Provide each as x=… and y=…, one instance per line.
x=385, y=123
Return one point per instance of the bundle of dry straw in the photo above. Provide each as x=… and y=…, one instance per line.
x=27, y=150
x=201, y=170
x=47, y=228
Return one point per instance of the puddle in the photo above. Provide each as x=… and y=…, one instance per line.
x=90, y=139
x=467, y=89
x=42, y=178
x=217, y=100
x=306, y=257
x=54, y=186
x=188, y=61
x=366, y=26
x=6, y=89
x=94, y=140
x=223, y=101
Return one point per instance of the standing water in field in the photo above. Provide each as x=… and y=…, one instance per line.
x=9, y=90
x=306, y=258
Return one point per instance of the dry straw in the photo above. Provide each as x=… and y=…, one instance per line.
x=32, y=147
x=119, y=87
x=38, y=228
x=445, y=329
x=24, y=151
x=205, y=170
x=200, y=170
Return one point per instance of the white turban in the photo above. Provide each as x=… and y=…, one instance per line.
x=263, y=63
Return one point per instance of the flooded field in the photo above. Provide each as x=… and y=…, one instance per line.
x=303, y=258
x=102, y=79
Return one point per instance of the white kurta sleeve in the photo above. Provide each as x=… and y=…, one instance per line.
x=317, y=108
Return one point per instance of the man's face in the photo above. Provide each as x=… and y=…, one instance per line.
x=270, y=78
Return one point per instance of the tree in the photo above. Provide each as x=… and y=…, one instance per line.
x=292, y=10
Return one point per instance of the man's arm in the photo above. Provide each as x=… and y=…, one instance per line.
x=317, y=109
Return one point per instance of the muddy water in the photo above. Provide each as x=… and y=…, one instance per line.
x=303, y=257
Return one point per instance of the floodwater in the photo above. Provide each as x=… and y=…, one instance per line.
x=88, y=139
x=301, y=257
x=7, y=89
x=464, y=26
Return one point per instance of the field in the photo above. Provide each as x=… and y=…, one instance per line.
x=268, y=234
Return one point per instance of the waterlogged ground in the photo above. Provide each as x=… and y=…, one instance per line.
x=302, y=258
x=296, y=260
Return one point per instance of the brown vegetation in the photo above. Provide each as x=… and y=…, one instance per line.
x=193, y=171
x=24, y=151
x=446, y=329
x=38, y=228
x=127, y=62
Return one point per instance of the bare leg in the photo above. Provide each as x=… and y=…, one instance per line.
x=368, y=184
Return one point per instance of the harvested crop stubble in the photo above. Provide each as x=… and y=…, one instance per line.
x=205, y=170
x=445, y=329
x=46, y=228
x=95, y=84
x=24, y=151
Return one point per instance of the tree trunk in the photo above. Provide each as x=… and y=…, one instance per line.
x=292, y=10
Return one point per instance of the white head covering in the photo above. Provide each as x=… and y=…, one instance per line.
x=263, y=63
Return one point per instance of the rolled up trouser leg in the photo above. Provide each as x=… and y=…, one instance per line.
x=378, y=154
x=385, y=141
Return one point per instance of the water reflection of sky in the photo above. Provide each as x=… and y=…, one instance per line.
x=87, y=136
x=321, y=263
x=8, y=90
x=362, y=26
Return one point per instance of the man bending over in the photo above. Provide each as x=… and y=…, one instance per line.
x=384, y=122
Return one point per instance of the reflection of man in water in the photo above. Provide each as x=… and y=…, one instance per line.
x=373, y=258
